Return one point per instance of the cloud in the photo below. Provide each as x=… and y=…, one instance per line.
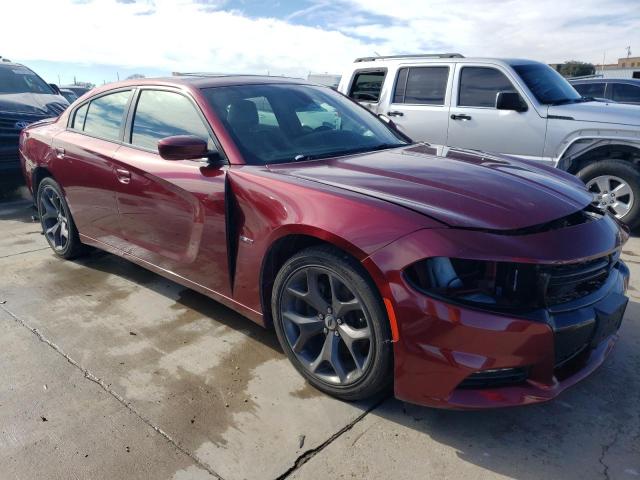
x=311, y=35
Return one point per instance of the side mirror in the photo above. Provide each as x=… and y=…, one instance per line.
x=510, y=101
x=182, y=147
x=55, y=88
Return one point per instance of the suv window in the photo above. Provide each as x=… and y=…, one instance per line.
x=161, y=114
x=590, y=89
x=421, y=85
x=623, y=92
x=366, y=86
x=480, y=85
x=105, y=115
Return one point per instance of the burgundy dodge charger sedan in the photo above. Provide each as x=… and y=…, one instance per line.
x=463, y=279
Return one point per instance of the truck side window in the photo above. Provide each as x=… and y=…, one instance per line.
x=421, y=85
x=366, y=86
x=480, y=85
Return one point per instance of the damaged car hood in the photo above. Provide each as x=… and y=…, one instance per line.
x=40, y=104
x=460, y=188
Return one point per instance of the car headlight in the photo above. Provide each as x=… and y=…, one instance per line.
x=487, y=284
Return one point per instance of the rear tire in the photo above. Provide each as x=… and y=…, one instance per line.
x=332, y=325
x=617, y=184
x=56, y=221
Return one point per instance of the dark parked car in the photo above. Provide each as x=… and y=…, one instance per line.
x=78, y=90
x=464, y=279
x=68, y=95
x=621, y=90
x=24, y=98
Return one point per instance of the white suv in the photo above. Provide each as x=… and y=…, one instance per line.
x=515, y=107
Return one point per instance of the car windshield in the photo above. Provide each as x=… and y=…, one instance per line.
x=19, y=79
x=547, y=85
x=278, y=123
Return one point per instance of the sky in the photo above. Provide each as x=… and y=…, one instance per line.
x=103, y=40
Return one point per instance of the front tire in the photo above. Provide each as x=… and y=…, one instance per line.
x=56, y=221
x=617, y=185
x=331, y=324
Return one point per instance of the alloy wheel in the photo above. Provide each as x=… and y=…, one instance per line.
x=612, y=194
x=55, y=223
x=326, y=325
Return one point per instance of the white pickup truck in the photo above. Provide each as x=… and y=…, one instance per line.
x=509, y=106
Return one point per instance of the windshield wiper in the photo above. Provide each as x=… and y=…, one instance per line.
x=384, y=146
x=565, y=101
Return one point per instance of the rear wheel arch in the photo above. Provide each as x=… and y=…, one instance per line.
x=39, y=174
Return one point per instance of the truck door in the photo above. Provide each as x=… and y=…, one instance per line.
x=419, y=102
x=475, y=123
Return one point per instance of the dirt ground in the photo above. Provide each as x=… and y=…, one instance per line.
x=110, y=371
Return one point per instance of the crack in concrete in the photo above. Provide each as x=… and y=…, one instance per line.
x=91, y=377
x=605, y=450
x=22, y=253
x=309, y=454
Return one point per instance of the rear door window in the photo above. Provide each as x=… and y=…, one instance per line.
x=623, y=92
x=160, y=114
x=367, y=85
x=105, y=115
x=421, y=85
x=591, y=89
x=79, y=117
x=480, y=85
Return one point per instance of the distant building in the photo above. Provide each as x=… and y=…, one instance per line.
x=328, y=79
x=627, y=67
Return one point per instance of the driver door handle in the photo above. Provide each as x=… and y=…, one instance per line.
x=460, y=116
x=124, y=175
x=395, y=113
x=59, y=152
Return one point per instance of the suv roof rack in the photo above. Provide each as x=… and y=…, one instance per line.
x=421, y=55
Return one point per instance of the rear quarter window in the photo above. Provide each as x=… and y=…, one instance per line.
x=367, y=85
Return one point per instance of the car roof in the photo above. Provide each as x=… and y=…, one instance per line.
x=632, y=81
x=204, y=81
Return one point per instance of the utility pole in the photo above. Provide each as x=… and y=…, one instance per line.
x=628, y=51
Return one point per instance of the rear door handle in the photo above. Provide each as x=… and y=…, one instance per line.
x=460, y=116
x=124, y=176
x=59, y=152
x=395, y=113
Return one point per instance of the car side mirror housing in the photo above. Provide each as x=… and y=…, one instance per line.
x=183, y=147
x=510, y=101
x=55, y=88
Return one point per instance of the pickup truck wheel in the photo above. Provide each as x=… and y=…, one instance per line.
x=332, y=325
x=57, y=224
x=617, y=186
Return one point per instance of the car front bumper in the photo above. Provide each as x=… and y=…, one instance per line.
x=444, y=351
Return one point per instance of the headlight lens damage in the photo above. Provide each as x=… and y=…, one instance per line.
x=508, y=286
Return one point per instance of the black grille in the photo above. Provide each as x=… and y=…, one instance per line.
x=564, y=283
x=501, y=377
